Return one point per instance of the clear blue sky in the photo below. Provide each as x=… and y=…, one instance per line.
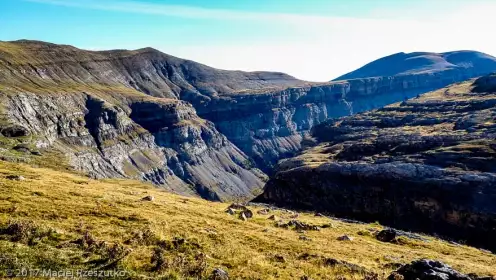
x=312, y=39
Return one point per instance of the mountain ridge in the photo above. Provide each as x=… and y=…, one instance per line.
x=421, y=62
x=182, y=125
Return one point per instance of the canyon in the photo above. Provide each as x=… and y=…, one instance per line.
x=426, y=164
x=181, y=125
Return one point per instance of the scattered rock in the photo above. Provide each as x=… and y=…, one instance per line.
x=305, y=238
x=427, y=270
x=298, y=225
x=263, y=211
x=319, y=215
x=393, y=265
x=219, y=274
x=327, y=226
x=307, y=256
x=474, y=276
x=265, y=230
x=387, y=235
x=148, y=198
x=16, y=177
x=279, y=258
x=371, y=276
x=304, y=277
x=237, y=207
x=243, y=217
x=364, y=233
x=248, y=213
x=244, y=212
x=36, y=153
x=396, y=276
x=351, y=266
x=345, y=238
x=294, y=216
x=274, y=218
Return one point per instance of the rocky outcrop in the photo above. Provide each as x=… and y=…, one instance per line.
x=269, y=126
x=432, y=270
x=163, y=142
x=426, y=164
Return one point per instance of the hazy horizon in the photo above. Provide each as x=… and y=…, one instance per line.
x=316, y=41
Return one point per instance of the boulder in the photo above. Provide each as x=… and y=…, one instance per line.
x=263, y=211
x=148, y=198
x=274, y=218
x=387, y=235
x=23, y=148
x=16, y=177
x=237, y=207
x=14, y=131
x=299, y=226
x=330, y=225
x=345, y=238
x=248, y=213
x=279, y=258
x=219, y=274
x=427, y=270
x=242, y=216
x=305, y=238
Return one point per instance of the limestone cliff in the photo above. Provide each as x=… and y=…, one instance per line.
x=425, y=164
x=179, y=124
x=269, y=126
x=74, y=101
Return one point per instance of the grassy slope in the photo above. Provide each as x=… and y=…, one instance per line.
x=57, y=220
x=37, y=66
x=462, y=91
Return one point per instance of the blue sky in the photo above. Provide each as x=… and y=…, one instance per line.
x=314, y=39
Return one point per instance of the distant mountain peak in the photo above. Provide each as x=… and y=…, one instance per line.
x=422, y=62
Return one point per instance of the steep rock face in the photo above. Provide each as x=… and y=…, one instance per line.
x=426, y=164
x=185, y=154
x=264, y=114
x=210, y=162
x=96, y=107
x=271, y=125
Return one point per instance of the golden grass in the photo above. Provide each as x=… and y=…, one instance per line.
x=112, y=210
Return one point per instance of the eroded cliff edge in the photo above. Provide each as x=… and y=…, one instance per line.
x=88, y=106
x=425, y=164
x=182, y=125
